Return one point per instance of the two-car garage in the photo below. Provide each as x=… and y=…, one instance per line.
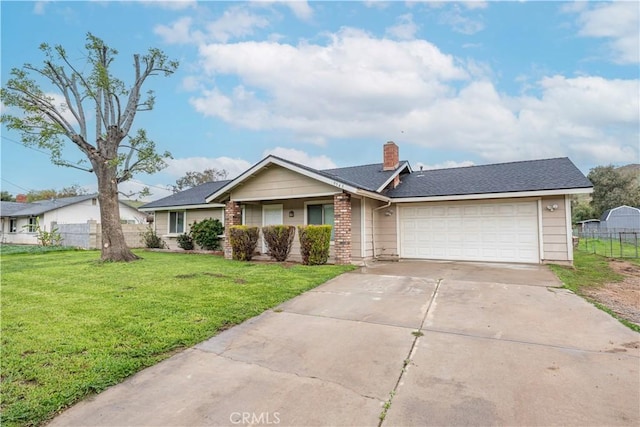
x=471, y=231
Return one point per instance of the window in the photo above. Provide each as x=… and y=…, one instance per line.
x=176, y=222
x=13, y=225
x=31, y=226
x=321, y=214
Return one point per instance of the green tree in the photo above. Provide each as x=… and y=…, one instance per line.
x=193, y=178
x=612, y=188
x=90, y=88
x=48, y=194
x=5, y=196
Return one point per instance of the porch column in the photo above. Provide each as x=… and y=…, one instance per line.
x=342, y=225
x=232, y=216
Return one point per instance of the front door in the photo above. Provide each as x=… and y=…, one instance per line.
x=271, y=215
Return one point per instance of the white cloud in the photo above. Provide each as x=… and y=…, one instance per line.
x=444, y=165
x=299, y=156
x=461, y=23
x=300, y=8
x=359, y=86
x=353, y=79
x=405, y=29
x=179, y=32
x=235, y=22
x=39, y=7
x=179, y=167
x=618, y=22
x=378, y=4
x=171, y=4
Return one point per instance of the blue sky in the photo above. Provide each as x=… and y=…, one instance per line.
x=327, y=83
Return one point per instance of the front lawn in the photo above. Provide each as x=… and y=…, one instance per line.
x=72, y=326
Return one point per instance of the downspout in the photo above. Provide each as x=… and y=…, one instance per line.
x=373, y=226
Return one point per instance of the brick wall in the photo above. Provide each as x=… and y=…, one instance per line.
x=342, y=224
x=232, y=216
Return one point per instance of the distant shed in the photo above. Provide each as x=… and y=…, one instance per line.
x=622, y=218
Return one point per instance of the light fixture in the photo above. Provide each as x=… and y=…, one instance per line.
x=388, y=212
x=291, y=214
x=552, y=208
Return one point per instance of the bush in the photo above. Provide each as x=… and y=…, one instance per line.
x=279, y=239
x=185, y=242
x=243, y=240
x=206, y=233
x=315, y=241
x=151, y=239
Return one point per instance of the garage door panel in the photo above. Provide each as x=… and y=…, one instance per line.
x=506, y=232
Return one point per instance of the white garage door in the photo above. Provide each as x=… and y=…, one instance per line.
x=504, y=232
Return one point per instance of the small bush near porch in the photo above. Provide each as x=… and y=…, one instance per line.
x=72, y=326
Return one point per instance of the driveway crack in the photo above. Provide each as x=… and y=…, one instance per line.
x=311, y=377
x=417, y=334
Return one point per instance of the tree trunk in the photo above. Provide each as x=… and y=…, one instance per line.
x=114, y=246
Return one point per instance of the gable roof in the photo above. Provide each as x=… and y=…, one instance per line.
x=513, y=177
x=605, y=215
x=41, y=206
x=368, y=177
x=191, y=197
x=357, y=179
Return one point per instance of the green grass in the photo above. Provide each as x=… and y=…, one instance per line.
x=32, y=249
x=590, y=271
x=608, y=247
x=72, y=326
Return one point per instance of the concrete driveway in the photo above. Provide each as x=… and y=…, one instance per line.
x=435, y=343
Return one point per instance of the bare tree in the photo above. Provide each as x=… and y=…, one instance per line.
x=193, y=178
x=90, y=89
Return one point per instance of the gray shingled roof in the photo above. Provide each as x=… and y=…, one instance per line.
x=41, y=206
x=531, y=175
x=193, y=196
x=368, y=177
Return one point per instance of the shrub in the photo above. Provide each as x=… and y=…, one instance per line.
x=206, y=233
x=315, y=241
x=243, y=240
x=279, y=239
x=151, y=239
x=185, y=242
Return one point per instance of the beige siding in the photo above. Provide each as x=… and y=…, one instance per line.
x=279, y=183
x=356, y=229
x=161, y=222
x=554, y=230
x=367, y=212
x=194, y=215
x=385, y=230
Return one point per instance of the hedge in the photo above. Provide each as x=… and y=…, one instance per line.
x=279, y=239
x=243, y=240
x=315, y=241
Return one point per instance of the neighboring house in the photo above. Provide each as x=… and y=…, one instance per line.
x=18, y=220
x=173, y=215
x=508, y=212
x=622, y=218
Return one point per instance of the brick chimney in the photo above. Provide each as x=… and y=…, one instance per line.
x=391, y=156
x=21, y=198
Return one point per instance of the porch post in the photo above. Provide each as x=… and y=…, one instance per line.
x=232, y=216
x=342, y=225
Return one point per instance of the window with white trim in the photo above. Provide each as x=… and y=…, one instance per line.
x=13, y=225
x=176, y=222
x=321, y=214
x=31, y=225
